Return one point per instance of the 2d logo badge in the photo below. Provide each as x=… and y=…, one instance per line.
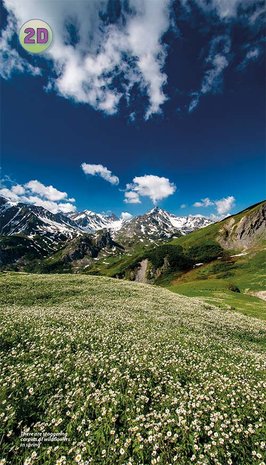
x=35, y=36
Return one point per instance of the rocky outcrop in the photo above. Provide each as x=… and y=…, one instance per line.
x=245, y=232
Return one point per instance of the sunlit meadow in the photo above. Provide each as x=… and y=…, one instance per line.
x=130, y=373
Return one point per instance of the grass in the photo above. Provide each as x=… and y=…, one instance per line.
x=127, y=374
x=212, y=282
x=217, y=293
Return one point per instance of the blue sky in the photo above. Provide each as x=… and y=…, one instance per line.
x=165, y=97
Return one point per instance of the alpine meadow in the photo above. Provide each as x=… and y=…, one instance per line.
x=129, y=373
x=132, y=232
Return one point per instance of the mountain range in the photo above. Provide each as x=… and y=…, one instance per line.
x=32, y=232
x=222, y=255
x=34, y=239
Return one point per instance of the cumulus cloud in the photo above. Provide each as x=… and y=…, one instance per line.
x=45, y=196
x=87, y=61
x=131, y=197
x=223, y=206
x=17, y=189
x=100, y=58
x=9, y=194
x=155, y=187
x=52, y=206
x=203, y=203
x=100, y=170
x=48, y=192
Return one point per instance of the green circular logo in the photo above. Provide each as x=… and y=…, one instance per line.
x=35, y=36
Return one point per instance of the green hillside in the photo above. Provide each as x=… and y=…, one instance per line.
x=224, y=263
x=126, y=373
x=214, y=231
x=234, y=281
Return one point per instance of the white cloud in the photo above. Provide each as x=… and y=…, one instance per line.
x=108, y=59
x=155, y=187
x=131, y=197
x=9, y=194
x=45, y=196
x=216, y=62
x=10, y=60
x=100, y=170
x=48, y=192
x=203, y=203
x=52, y=206
x=183, y=205
x=18, y=189
x=251, y=56
x=223, y=206
x=86, y=71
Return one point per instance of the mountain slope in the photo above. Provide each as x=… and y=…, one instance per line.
x=215, y=262
x=30, y=220
x=33, y=238
x=79, y=253
x=36, y=233
x=90, y=221
x=236, y=279
x=238, y=232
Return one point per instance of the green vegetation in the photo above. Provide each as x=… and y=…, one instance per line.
x=232, y=287
x=205, y=252
x=176, y=259
x=213, y=231
x=212, y=282
x=17, y=246
x=222, y=270
x=129, y=373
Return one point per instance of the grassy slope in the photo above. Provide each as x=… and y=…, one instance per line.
x=211, y=232
x=247, y=273
x=116, y=265
x=128, y=371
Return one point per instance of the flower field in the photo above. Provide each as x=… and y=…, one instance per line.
x=106, y=372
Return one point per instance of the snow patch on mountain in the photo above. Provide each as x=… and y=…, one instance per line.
x=91, y=222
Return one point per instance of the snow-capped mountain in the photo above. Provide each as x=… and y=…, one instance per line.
x=155, y=224
x=159, y=224
x=30, y=221
x=90, y=222
x=30, y=232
